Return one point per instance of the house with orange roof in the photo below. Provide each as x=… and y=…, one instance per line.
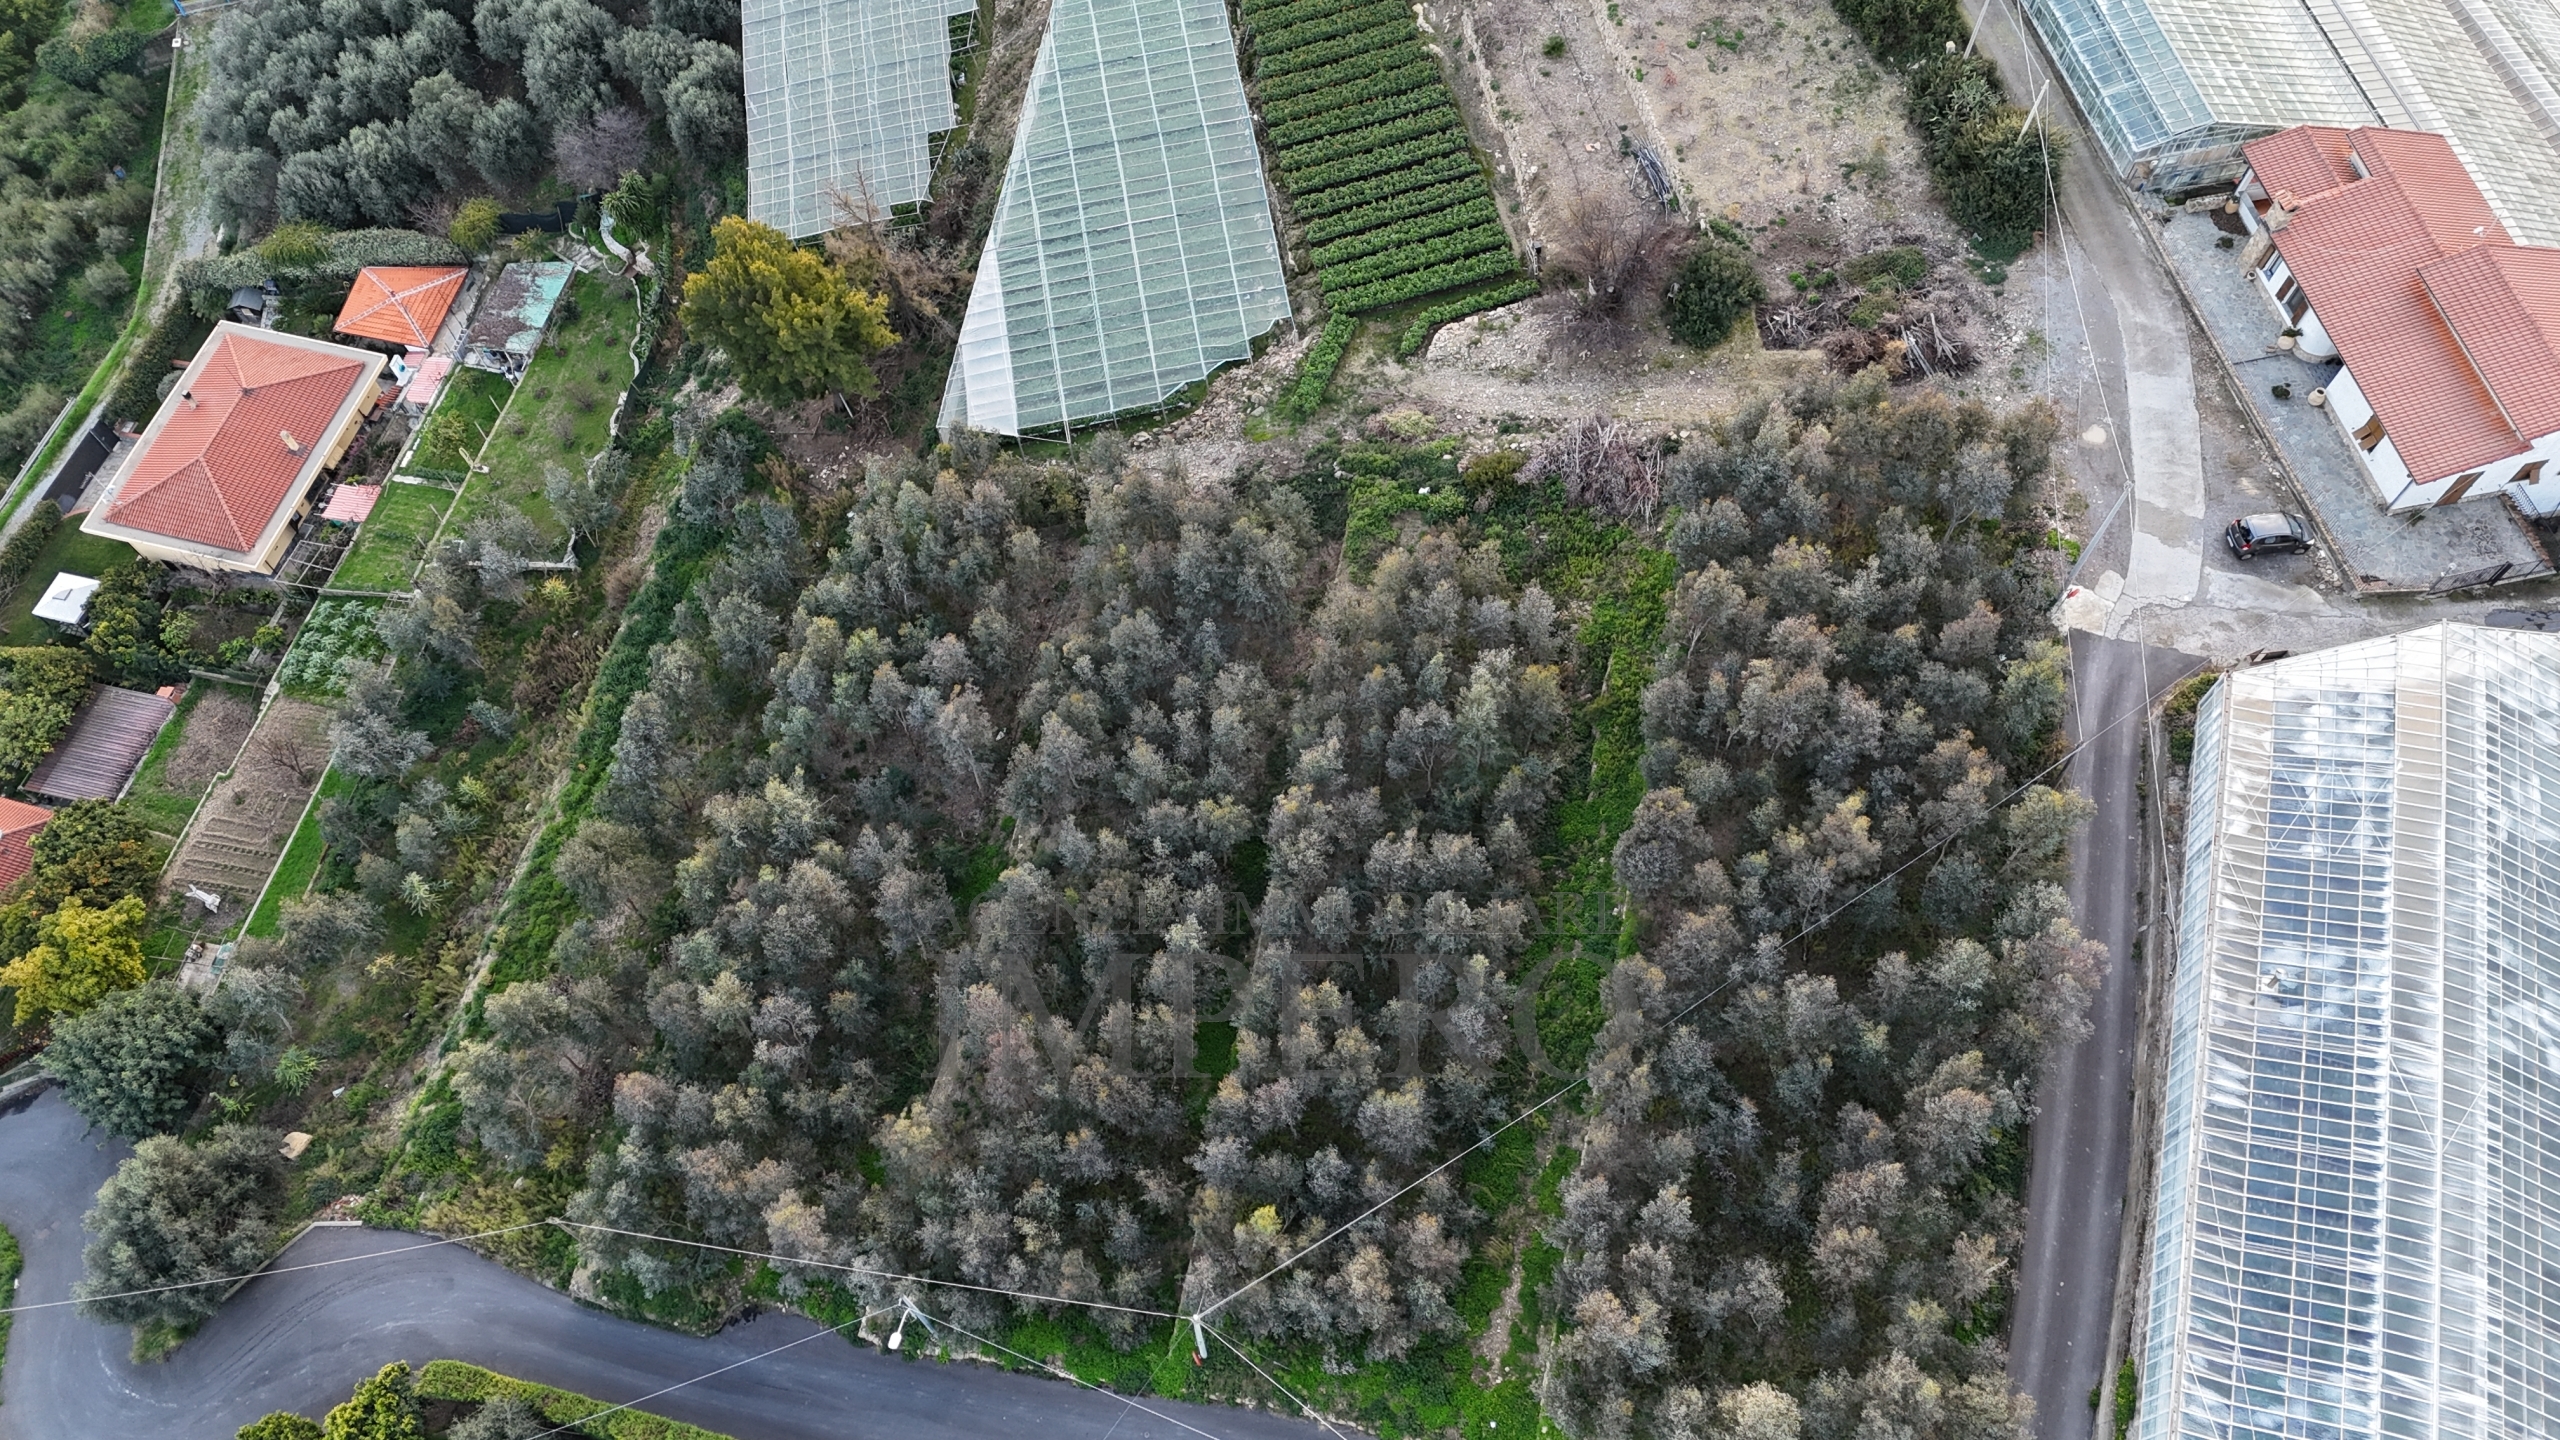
x=402, y=305
x=19, y=822
x=225, y=471
x=2379, y=252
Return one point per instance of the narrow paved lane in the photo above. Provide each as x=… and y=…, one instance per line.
x=2083, y=1127
x=300, y=1341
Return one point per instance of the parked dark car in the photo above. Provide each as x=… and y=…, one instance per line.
x=2251, y=536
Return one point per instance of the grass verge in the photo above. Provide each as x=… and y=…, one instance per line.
x=454, y=1380
x=300, y=861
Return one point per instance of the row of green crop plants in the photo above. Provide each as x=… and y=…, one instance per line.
x=1376, y=162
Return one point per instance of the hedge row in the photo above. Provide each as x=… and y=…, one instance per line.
x=19, y=555
x=1275, y=40
x=1396, y=56
x=1267, y=14
x=1369, y=139
x=1418, y=283
x=1396, y=29
x=1414, y=77
x=453, y=1380
x=1420, y=255
x=1441, y=220
x=1418, y=334
x=1345, y=115
x=1360, y=167
x=1343, y=224
x=1315, y=370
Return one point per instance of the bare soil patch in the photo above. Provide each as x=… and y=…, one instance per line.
x=216, y=725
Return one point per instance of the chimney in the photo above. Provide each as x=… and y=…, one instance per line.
x=291, y=445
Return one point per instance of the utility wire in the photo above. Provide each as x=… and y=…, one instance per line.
x=579, y=1425
x=1312, y=1413
x=1691, y=1008
x=866, y=1270
x=1071, y=1375
x=271, y=1270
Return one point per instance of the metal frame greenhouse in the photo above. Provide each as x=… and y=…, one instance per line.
x=843, y=98
x=2357, y=1214
x=1132, y=252
x=2173, y=87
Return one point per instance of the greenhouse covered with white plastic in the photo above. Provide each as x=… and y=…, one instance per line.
x=843, y=99
x=2173, y=86
x=1133, y=252
x=2357, y=1219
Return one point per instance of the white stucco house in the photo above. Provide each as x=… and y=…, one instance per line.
x=2378, y=251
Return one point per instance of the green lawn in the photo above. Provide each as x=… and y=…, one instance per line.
x=562, y=407
x=300, y=861
x=389, y=542
x=162, y=808
x=70, y=550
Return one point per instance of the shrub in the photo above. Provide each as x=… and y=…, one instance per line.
x=1419, y=255
x=104, y=283
x=1418, y=334
x=1343, y=114
x=1905, y=265
x=475, y=225
x=1554, y=48
x=1467, y=213
x=1436, y=120
x=1312, y=202
x=1360, y=165
x=1715, y=286
x=1315, y=371
x=1411, y=77
x=1426, y=199
x=135, y=1063
x=83, y=60
x=1385, y=57
x=1390, y=25
x=19, y=555
x=1418, y=283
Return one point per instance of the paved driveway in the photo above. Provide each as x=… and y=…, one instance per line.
x=300, y=1341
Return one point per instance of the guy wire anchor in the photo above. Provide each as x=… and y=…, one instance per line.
x=1199, y=1343
x=907, y=1311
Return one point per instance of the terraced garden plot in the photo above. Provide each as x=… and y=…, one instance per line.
x=240, y=832
x=1376, y=160
x=393, y=538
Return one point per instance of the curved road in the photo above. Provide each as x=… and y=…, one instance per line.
x=300, y=1342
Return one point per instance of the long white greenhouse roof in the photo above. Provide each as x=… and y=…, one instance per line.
x=843, y=99
x=2162, y=79
x=1132, y=251
x=2357, y=1220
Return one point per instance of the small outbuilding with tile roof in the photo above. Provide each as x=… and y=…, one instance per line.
x=401, y=304
x=227, y=467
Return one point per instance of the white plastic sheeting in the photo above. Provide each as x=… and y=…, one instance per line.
x=2358, y=1207
x=2173, y=86
x=843, y=99
x=1132, y=252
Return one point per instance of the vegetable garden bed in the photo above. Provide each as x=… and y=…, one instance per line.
x=1374, y=156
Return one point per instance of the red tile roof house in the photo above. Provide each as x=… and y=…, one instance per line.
x=2380, y=249
x=227, y=467
x=19, y=823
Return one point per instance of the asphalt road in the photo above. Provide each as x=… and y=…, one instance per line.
x=2079, y=1146
x=300, y=1342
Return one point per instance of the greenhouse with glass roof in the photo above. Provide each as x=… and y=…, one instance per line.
x=2356, y=1228
x=2171, y=87
x=844, y=98
x=1132, y=252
